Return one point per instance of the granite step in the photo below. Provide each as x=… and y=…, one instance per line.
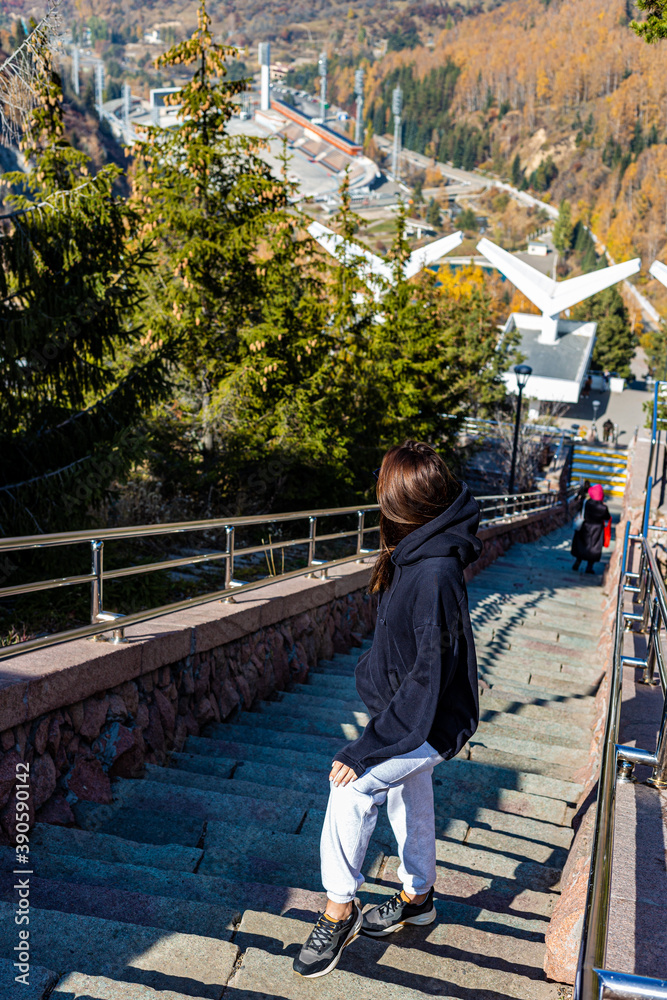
x=38, y=987
x=262, y=975
x=481, y=754
x=529, y=728
x=275, y=738
x=143, y=826
x=192, y=965
x=477, y=954
x=164, y=797
x=493, y=893
x=124, y=905
x=202, y=746
x=322, y=685
x=290, y=795
x=75, y=986
x=103, y=847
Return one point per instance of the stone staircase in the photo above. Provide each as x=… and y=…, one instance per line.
x=600, y=465
x=201, y=879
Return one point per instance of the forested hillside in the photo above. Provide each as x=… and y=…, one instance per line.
x=559, y=96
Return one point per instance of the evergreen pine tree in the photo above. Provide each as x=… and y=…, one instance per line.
x=210, y=202
x=564, y=229
x=615, y=342
x=655, y=26
x=75, y=376
x=516, y=171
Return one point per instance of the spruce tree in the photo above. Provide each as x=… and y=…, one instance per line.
x=615, y=342
x=75, y=376
x=209, y=202
x=654, y=27
x=564, y=229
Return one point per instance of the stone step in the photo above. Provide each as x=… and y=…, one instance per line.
x=580, y=719
x=289, y=795
x=535, y=629
x=75, y=986
x=143, y=826
x=39, y=983
x=544, y=729
x=482, y=754
x=467, y=860
x=230, y=895
x=485, y=775
x=468, y=952
x=345, y=689
x=580, y=695
x=496, y=738
x=311, y=781
x=262, y=975
x=240, y=854
x=202, y=746
x=541, y=831
x=192, y=965
x=101, y=846
x=161, y=797
x=508, y=895
x=278, y=739
x=586, y=595
x=113, y=902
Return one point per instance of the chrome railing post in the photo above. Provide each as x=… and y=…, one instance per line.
x=649, y=669
x=97, y=554
x=312, y=533
x=229, y=561
x=97, y=612
x=312, y=536
x=361, y=519
x=658, y=778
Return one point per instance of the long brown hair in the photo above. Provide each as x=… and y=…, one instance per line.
x=414, y=486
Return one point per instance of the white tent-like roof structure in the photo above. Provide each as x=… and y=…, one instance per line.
x=374, y=267
x=554, y=297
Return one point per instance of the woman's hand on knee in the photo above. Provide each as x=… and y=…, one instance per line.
x=341, y=774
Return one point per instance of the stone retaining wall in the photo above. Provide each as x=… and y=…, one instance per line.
x=82, y=712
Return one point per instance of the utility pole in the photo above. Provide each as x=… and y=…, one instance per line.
x=99, y=88
x=75, y=70
x=396, y=107
x=359, y=92
x=264, y=56
x=126, y=111
x=322, y=66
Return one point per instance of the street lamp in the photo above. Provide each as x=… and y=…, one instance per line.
x=523, y=373
x=594, y=425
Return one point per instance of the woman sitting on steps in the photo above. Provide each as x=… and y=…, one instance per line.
x=419, y=684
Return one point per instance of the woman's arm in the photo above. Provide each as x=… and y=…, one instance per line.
x=406, y=722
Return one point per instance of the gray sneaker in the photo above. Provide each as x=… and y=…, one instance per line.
x=321, y=952
x=390, y=916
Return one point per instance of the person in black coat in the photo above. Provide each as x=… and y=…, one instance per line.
x=419, y=684
x=588, y=539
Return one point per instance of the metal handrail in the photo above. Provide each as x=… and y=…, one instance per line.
x=593, y=980
x=109, y=626
x=655, y=430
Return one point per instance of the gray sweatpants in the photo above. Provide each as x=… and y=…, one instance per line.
x=405, y=783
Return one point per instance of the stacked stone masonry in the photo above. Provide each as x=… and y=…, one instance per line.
x=76, y=750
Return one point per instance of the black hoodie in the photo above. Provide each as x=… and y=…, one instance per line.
x=419, y=678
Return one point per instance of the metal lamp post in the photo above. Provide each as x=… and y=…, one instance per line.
x=594, y=425
x=523, y=373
